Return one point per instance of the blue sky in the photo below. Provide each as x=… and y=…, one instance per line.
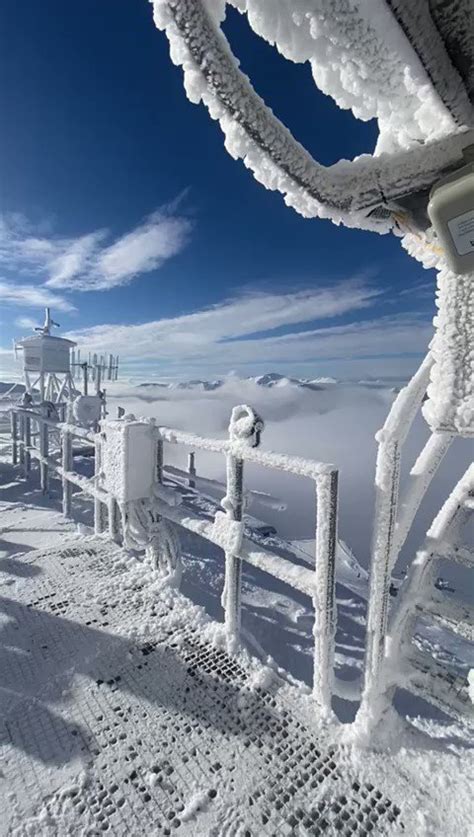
x=121, y=208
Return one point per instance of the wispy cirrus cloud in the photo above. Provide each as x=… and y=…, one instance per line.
x=93, y=261
x=32, y=296
x=27, y=322
x=241, y=332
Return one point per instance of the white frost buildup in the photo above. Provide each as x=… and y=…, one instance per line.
x=227, y=533
x=451, y=390
x=470, y=680
x=359, y=56
x=129, y=459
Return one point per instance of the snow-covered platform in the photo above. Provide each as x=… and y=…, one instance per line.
x=122, y=712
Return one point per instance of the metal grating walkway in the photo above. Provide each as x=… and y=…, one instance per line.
x=122, y=715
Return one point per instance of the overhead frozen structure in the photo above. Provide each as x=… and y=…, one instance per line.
x=407, y=63
x=383, y=59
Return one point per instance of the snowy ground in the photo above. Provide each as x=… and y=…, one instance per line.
x=277, y=620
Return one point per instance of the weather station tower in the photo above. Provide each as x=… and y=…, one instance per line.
x=47, y=364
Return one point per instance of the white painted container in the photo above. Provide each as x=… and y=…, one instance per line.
x=44, y=353
x=128, y=459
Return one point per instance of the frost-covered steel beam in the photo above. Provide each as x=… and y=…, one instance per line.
x=416, y=19
x=421, y=475
x=251, y=128
x=384, y=549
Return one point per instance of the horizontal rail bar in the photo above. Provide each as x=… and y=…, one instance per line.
x=62, y=427
x=291, y=464
x=86, y=484
x=300, y=578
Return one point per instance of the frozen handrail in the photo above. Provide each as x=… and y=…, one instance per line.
x=292, y=464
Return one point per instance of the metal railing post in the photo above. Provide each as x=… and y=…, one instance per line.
x=159, y=460
x=114, y=520
x=233, y=564
x=99, y=511
x=386, y=506
x=44, y=447
x=26, y=445
x=324, y=599
x=21, y=437
x=14, y=432
x=67, y=461
x=192, y=469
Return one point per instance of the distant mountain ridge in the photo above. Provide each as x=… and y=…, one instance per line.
x=269, y=379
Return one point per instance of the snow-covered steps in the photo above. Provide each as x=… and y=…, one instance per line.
x=123, y=713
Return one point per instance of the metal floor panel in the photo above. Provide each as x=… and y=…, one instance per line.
x=121, y=715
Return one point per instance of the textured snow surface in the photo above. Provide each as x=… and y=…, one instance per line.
x=107, y=679
x=228, y=533
x=130, y=717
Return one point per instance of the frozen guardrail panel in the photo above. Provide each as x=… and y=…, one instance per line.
x=451, y=211
x=128, y=459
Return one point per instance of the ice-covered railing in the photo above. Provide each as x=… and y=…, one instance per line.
x=394, y=515
x=129, y=486
x=227, y=531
